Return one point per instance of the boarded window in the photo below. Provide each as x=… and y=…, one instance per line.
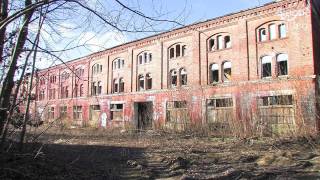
x=116, y=112
x=282, y=64
x=94, y=112
x=266, y=66
x=272, y=31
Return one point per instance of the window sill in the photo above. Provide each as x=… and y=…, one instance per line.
x=219, y=50
x=273, y=40
x=283, y=76
x=177, y=58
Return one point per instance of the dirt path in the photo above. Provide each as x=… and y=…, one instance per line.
x=91, y=154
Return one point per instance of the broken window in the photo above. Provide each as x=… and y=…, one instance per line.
x=212, y=45
x=227, y=41
x=99, y=91
x=94, y=89
x=220, y=42
x=282, y=64
x=262, y=34
x=183, y=77
x=276, y=100
x=178, y=50
x=94, y=112
x=115, y=86
x=116, y=112
x=81, y=90
x=51, y=113
x=220, y=102
x=272, y=31
x=141, y=82
x=227, y=71
x=184, y=50
x=148, y=81
x=266, y=66
x=121, y=85
x=282, y=31
x=63, y=111
x=77, y=112
x=171, y=53
x=173, y=78
x=214, y=73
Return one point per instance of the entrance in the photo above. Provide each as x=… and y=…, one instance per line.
x=144, y=115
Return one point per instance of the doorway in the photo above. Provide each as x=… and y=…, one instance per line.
x=144, y=115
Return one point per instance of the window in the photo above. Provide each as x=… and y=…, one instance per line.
x=145, y=57
x=282, y=64
x=115, y=86
x=176, y=104
x=281, y=100
x=227, y=71
x=220, y=42
x=118, y=63
x=220, y=103
x=79, y=72
x=63, y=111
x=262, y=34
x=183, y=77
x=212, y=45
x=64, y=92
x=116, y=112
x=99, y=88
x=148, y=81
x=94, y=89
x=177, y=50
x=42, y=81
x=282, y=31
x=266, y=66
x=227, y=41
x=52, y=94
x=53, y=79
x=141, y=82
x=121, y=85
x=173, y=78
x=75, y=90
x=214, y=73
x=77, y=112
x=272, y=31
x=64, y=76
x=51, y=113
x=81, y=90
x=96, y=69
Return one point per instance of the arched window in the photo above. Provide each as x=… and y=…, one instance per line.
x=214, y=73
x=282, y=64
x=75, y=90
x=266, y=66
x=141, y=82
x=183, y=77
x=212, y=45
x=177, y=50
x=96, y=69
x=272, y=31
x=148, y=81
x=282, y=31
x=118, y=63
x=94, y=89
x=173, y=78
x=227, y=71
x=262, y=34
x=121, y=85
x=144, y=57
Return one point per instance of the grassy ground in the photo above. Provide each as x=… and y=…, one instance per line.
x=97, y=154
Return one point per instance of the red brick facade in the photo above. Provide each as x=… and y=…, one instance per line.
x=270, y=51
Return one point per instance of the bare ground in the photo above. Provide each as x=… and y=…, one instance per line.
x=97, y=154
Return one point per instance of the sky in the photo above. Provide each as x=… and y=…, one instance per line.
x=84, y=29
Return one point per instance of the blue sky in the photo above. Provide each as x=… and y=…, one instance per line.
x=80, y=27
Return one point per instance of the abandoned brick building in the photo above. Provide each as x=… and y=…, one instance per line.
x=254, y=69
